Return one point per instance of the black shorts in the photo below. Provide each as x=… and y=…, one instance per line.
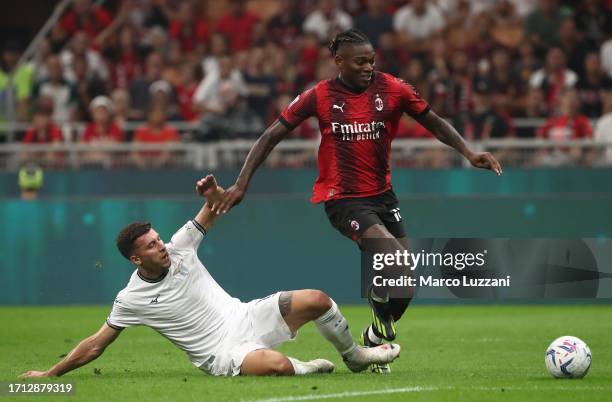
x=353, y=216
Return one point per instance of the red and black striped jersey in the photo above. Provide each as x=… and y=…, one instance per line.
x=356, y=132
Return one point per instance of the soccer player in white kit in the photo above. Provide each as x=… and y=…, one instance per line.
x=172, y=292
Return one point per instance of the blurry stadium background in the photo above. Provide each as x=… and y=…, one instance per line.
x=110, y=110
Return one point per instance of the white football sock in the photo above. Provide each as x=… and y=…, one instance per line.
x=373, y=337
x=334, y=327
x=300, y=367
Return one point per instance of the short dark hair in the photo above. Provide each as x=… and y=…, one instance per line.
x=128, y=235
x=351, y=36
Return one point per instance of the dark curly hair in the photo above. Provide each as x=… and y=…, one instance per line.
x=350, y=36
x=128, y=235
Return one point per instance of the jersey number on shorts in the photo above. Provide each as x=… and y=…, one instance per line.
x=396, y=214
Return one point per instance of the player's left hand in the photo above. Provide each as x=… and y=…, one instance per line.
x=34, y=374
x=207, y=187
x=485, y=160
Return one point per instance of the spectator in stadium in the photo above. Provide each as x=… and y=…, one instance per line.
x=285, y=27
x=535, y=108
x=603, y=128
x=260, y=83
x=139, y=87
x=162, y=93
x=589, y=86
x=375, y=20
x=186, y=84
x=124, y=58
x=156, y=130
x=553, y=77
x=326, y=20
x=84, y=16
x=121, y=102
x=484, y=122
x=542, y=25
x=481, y=44
x=594, y=20
x=88, y=86
x=43, y=131
x=572, y=44
x=527, y=63
x=416, y=23
x=234, y=120
x=21, y=77
x=390, y=56
x=568, y=124
x=80, y=48
x=102, y=130
x=208, y=97
x=507, y=88
x=190, y=29
x=507, y=30
x=63, y=93
x=237, y=25
x=453, y=93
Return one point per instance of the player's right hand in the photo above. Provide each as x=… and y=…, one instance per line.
x=34, y=374
x=231, y=197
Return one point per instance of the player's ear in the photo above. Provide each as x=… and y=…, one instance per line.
x=135, y=260
x=338, y=60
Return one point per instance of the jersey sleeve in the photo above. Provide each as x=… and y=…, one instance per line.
x=301, y=108
x=188, y=237
x=121, y=316
x=411, y=102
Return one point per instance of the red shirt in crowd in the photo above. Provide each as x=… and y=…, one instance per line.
x=98, y=19
x=51, y=134
x=562, y=128
x=92, y=134
x=238, y=29
x=356, y=132
x=166, y=134
x=189, y=38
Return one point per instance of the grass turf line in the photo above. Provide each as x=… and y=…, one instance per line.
x=449, y=353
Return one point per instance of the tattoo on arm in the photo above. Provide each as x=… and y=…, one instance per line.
x=284, y=303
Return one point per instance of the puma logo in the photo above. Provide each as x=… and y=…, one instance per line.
x=341, y=107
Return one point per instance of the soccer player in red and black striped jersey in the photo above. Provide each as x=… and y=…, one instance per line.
x=358, y=116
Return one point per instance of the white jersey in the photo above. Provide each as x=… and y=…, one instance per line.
x=186, y=305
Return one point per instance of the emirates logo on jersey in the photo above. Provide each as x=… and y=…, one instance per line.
x=378, y=103
x=358, y=131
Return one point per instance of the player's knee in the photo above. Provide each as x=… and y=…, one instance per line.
x=280, y=365
x=319, y=302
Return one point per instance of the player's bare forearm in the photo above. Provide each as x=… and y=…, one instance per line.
x=87, y=350
x=260, y=151
x=447, y=134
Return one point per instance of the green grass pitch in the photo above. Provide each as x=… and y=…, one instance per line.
x=450, y=353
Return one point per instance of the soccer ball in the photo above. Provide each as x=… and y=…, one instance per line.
x=568, y=357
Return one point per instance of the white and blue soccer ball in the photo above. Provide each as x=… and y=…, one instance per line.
x=568, y=357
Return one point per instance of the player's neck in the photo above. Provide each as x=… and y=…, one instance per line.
x=350, y=87
x=152, y=274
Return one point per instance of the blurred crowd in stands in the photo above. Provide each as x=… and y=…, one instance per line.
x=480, y=63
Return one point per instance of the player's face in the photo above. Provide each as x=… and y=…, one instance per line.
x=356, y=64
x=150, y=251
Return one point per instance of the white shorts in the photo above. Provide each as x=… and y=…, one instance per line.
x=258, y=326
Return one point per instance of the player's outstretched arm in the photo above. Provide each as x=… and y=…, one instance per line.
x=89, y=349
x=208, y=188
x=448, y=135
x=260, y=151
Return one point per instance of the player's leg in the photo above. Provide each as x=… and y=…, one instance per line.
x=271, y=362
x=301, y=306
